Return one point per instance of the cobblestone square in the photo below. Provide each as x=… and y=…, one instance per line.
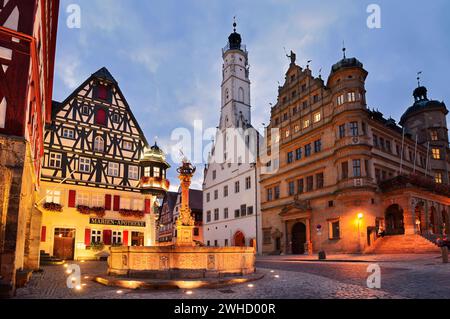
x=286, y=277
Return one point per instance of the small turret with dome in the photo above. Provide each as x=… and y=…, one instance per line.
x=154, y=167
x=234, y=41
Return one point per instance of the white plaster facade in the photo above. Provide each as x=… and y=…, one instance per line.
x=230, y=188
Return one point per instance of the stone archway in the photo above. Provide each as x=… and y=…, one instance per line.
x=239, y=239
x=298, y=238
x=394, y=220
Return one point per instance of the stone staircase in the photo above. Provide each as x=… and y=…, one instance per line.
x=47, y=260
x=403, y=244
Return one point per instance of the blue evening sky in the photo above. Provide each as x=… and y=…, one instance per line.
x=166, y=55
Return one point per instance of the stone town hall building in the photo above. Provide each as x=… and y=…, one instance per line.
x=345, y=172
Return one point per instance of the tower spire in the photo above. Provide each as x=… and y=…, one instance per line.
x=234, y=24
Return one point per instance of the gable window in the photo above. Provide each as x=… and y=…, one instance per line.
x=214, y=175
x=55, y=160
x=100, y=117
x=84, y=165
x=113, y=169
x=85, y=110
x=116, y=118
x=127, y=145
x=133, y=172
x=68, y=133
x=99, y=144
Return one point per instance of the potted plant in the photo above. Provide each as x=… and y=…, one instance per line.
x=97, y=246
x=53, y=207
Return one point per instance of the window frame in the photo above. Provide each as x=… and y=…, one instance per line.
x=53, y=156
x=113, y=169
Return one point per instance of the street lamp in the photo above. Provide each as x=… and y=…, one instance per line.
x=360, y=217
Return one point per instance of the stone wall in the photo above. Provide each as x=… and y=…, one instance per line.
x=19, y=228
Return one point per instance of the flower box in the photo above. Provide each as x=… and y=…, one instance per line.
x=53, y=207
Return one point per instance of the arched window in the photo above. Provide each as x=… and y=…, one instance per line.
x=99, y=144
x=241, y=95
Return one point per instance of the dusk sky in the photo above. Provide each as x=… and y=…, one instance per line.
x=166, y=55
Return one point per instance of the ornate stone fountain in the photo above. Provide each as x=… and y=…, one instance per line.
x=183, y=260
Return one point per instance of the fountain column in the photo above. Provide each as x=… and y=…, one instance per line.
x=185, y=222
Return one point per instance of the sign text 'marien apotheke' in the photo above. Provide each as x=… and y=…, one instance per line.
x=115, y=222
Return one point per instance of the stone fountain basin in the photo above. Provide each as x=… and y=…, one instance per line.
x=181, y=262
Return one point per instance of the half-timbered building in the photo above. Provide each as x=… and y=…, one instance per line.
x=100, y=179
x=27, y=54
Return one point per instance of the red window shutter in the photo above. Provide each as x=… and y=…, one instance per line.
x=87, y=237
x=72, y=197
x=107, y=234
x=102, y=92
x=147, y=206
x=125, y=237
x=100, y=117
x=116, y=203
x=43, y=234
x=107, y=202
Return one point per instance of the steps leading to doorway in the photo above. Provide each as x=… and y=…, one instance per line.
x=47, y=260
x=403, y=244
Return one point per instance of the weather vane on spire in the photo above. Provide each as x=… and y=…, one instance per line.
x=418, y=78
x=234, y=23
x=344, y=49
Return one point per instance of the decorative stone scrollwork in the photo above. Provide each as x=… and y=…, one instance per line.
x=163, y=263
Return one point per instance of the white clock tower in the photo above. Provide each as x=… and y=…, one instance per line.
x=230, y=188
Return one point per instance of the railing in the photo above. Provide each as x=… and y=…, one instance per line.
x=242, y=47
